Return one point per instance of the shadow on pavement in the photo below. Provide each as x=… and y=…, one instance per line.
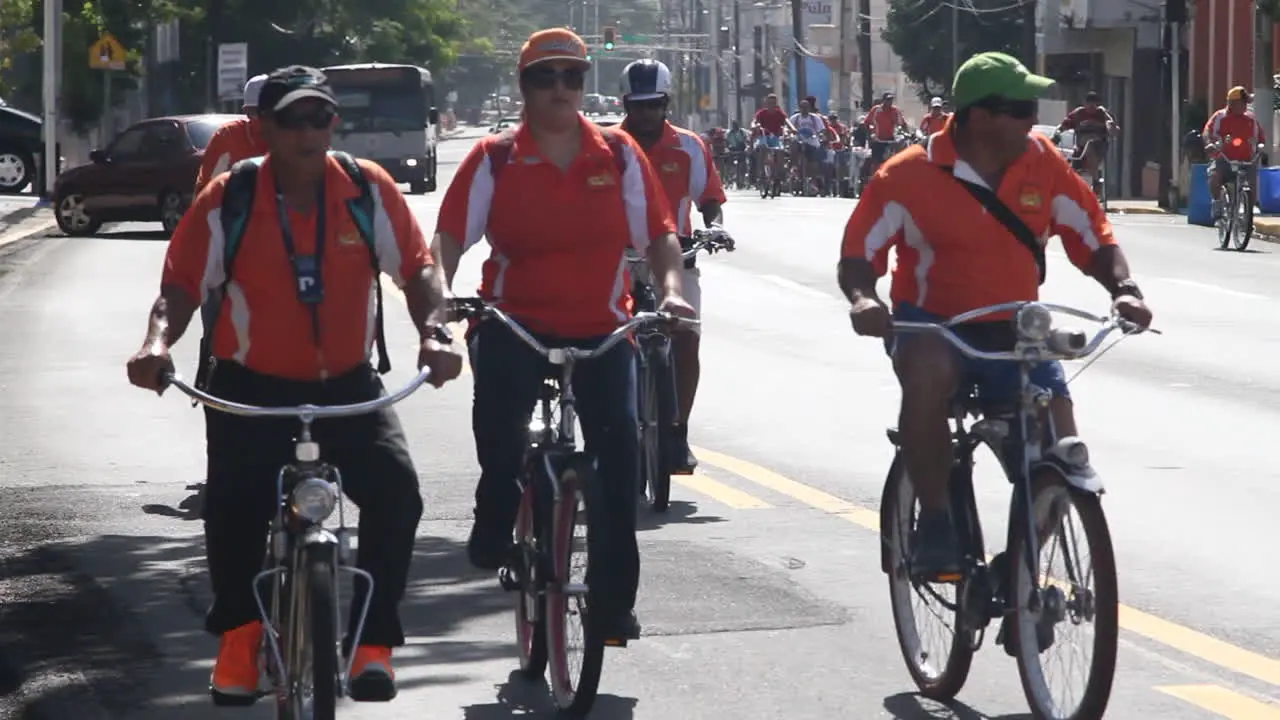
x=682, y=512
x=117, y=621
x=190, y=508
x=520, y=698
x=913, y=706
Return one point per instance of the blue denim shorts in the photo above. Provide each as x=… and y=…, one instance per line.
x=997, y=381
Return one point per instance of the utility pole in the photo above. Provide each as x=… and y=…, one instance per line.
x=955, y=39
x=842, y=79
x=797, y=35
x=737, y=60
x=51, y=55
x=1029, y=35
x=757, y=65
x=1263, y=100
x=864, y=53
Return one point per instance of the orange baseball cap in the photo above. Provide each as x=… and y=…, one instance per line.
x=553, y=44
x=1237, y=93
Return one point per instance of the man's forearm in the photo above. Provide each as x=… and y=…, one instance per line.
x=857, y=279
x=1109, y=267
x=711, y=213
x=667, y=264
x=447, y=252
x=171, y=313
x=425, y=295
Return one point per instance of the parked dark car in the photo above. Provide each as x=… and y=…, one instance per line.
x=147, y=174
x=20, y=141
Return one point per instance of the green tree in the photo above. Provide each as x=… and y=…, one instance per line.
x=920, y=33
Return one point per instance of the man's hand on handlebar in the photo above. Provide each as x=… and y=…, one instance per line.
x=870, y=317
x=678, y=306
x=1132, y=309
x=444, y=362
x=149, y=367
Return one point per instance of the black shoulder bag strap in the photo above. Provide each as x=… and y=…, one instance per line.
x=1007, y=217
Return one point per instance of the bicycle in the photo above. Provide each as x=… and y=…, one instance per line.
x=655, y=375
x=557, y=483
x=1097, y=182
x=1009, y=588
x=1237, y=200
x=302, y=560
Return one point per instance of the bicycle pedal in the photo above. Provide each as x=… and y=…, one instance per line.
x=508, y=579
x=615, y=642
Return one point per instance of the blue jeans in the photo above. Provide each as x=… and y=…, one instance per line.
x=997, y=381
x=508, y=377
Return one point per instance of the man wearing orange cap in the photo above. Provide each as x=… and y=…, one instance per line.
x=235, y=141
x=1235, y=121
x=560, y=201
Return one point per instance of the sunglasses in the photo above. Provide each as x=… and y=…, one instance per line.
x=650, y=104
x=315, y=120
x=546, y=78
x=1016, y=109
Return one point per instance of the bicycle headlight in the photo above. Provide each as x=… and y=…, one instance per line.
x=313, y=499
x=1033, y=321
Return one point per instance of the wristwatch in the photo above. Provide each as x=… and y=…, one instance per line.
x=440, y=333
x=1127, y=287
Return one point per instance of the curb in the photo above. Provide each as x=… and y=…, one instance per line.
x=22, y=225
x=1139, y=211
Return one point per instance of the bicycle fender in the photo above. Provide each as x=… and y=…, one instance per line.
x=1069, y=458
x=317, y=536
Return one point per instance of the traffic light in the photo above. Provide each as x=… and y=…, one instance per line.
x=726, y=39
x=610, y=36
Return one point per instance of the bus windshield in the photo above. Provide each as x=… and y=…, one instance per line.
x=383, y=109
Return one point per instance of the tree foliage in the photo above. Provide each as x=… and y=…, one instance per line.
x=920, y=33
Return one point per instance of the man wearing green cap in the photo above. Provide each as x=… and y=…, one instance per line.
x=954, y=254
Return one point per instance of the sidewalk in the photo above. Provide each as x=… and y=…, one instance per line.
x=23, y=218
x=1265, y=226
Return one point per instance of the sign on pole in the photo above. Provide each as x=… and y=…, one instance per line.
x=107, y=53
x=233, y=70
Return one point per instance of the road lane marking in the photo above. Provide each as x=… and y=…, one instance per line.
x=1170, y=634
x=799, y=287
x=1214, y=288
x=13, y=236
x=1223, y=702
x=720, y=492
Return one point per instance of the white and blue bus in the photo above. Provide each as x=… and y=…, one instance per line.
x=389, y=115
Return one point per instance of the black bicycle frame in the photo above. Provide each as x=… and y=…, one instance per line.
x=654, y=357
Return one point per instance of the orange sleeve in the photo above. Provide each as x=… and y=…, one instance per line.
x=411, y=253
x=1208, y=124
x=464, y=213
x=874, y=227
x=714, y=189
x=187, y=264
x=1078, y=217
x=217, y=157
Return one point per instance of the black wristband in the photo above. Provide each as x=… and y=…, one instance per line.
x=1127, y=287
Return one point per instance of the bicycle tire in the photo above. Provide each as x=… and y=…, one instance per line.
x=654, y=450
x=573, y=697
x=1226, y=221
x=1097, y=694
x=531, y=609
x=318, y=561
x=1243, y=235
x=896, y=505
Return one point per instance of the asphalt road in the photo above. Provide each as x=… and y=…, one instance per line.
x=761, y=594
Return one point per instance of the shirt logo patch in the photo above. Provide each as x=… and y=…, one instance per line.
x=670, y=168
x=348, y=239
x=601, y=180
x=1029, y=198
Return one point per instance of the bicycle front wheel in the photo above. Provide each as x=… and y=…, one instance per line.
x=1067, y=595
x=1243, y=231
x=576, y=648
x=530, y=614
x=310, y=647
x=937, y=648
x=1226, y=219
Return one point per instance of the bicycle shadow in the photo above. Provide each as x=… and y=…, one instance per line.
x=520, y=698
x=683, y=512
x=189, y=508
x=913, y=706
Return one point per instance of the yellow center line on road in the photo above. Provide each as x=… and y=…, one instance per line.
x=1169, y=634
x=1223, y=702
x=716, y=490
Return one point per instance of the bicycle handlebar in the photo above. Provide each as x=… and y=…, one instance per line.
x=1053, y=346
x=303, y=412
x=475, y=308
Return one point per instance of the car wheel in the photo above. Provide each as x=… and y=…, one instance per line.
x=73, y=218
x=172, y=208
x=17, y=170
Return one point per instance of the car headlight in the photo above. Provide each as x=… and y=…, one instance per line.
x=313, y=499
x=1033, y=322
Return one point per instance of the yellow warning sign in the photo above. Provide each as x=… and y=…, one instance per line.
x=107, y=53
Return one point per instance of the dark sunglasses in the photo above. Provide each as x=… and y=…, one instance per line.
x=545, y=78
x=1016, y=109
x=651, y=104
x=314, y=120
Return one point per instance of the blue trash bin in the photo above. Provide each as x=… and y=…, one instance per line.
x=1199, y=205
x=1269, y=189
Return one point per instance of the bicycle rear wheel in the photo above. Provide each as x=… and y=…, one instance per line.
x=1065, y=601
x=530, y=615
x=576, y=646
x=1226, y=220
x=938, y=667
x=655, y=471
x=1243, y=230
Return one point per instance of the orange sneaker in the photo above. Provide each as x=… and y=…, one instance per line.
x=372, y=677
x=236, y=672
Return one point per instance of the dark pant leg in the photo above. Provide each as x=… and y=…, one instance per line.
x=378, y=475
x=244, y=458
x=507, y=375
x=606, y=396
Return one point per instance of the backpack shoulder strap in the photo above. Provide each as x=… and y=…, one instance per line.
x=1007, y=217
x=499, y=152
x=362, y=211
x=614, y=139
x=237, y=206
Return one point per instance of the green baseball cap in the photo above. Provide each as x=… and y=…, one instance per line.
x=995, y=73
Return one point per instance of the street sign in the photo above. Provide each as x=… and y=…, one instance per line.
x=233, y=70
x=107, y=53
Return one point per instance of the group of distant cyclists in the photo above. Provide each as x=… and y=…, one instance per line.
x=561, y=202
